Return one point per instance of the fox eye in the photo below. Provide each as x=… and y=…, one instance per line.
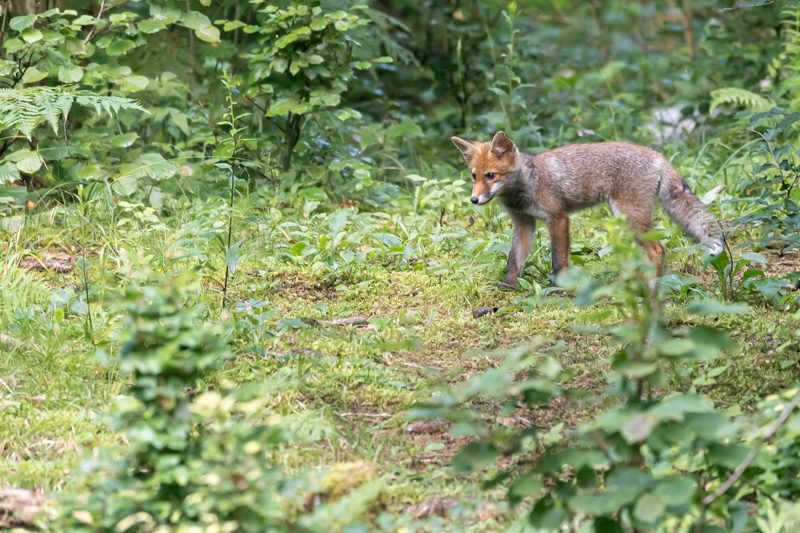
x=473, y=176
x=490, y=175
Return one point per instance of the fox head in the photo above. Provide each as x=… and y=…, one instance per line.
x=490, y=164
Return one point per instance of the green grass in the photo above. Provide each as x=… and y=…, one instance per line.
x=347, y=389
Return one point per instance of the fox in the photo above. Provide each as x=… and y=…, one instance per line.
x=552, y=184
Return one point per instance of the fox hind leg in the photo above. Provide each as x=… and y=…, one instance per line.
x=640, y=217
x=558, y=226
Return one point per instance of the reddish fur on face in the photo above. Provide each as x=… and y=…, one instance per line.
x=489, y=163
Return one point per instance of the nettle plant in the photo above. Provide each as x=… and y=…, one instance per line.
x=301, y=65
x=673, y=463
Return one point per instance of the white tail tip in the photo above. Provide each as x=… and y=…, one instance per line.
x=715, y=247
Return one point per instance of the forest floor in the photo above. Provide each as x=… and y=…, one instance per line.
x=354, y=384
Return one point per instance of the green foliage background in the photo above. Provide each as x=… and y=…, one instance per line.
x=277, y=166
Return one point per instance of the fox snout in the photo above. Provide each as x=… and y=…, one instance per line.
x=483, y=192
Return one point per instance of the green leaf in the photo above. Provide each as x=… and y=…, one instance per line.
x=288, y=105
x=119, y=47
x=69, y=74
x=91, y=172
x=209, y=34
x=12, y=224
x=33, y=74
x=715, y=307
x=84, y=20
x=133, y=84
x=156, y=199
x=26, y=160
x=524, y=486
x=156, y=167
x=754, y=257
x=125, y=186
x=8, y=173
x=166, y=14
x=288, y=39
x=649, y=508
x=31, y=35
x=603, y=503
x=318, y=23
x=151, y=26
x=20, y=23
x=677, y=490
x=124, y=140
x=14, y=45
x=195, y=20
x=638, y=427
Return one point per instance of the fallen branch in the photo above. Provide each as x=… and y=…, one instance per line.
x=486, y=310
x=349, y=321
x=36, y=264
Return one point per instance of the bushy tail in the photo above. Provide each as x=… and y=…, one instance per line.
x=689, y=212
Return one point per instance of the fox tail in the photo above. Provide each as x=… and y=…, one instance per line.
x=689, y=212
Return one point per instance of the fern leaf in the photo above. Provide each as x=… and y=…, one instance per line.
x=739, y=97
x=24, y=109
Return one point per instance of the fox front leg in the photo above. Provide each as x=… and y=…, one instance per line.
x=521, y=244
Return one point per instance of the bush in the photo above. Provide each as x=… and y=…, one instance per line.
x=197, y=459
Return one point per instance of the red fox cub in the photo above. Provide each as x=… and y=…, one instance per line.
x=552, y=184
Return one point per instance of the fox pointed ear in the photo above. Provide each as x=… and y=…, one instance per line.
x=467, y=148
x=502, y=145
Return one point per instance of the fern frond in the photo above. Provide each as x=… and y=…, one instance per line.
x=24, y=109
x=740, y=98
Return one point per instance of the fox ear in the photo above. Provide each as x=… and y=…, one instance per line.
x=502, y=145
x=467, y=148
